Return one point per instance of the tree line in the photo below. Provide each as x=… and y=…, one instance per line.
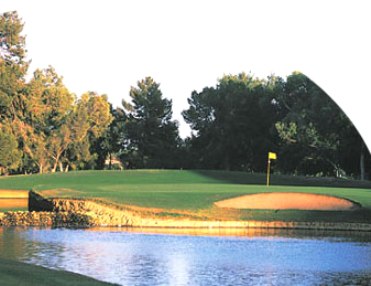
x=46, y=128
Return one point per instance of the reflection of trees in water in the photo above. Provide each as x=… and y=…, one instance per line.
x=12, y=245
x=17, y=243
x=282, y=257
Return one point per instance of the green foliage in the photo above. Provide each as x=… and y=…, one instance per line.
x=51, y=127
x=314, y=131
x=10, y=155
x=151, y=136
x=55, y=129
x=233, y=123
x=243, y=118
x=13, y=66
x=42, y=126
x=89, y=122
x=112, y=141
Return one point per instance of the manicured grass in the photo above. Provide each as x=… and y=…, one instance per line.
x=196, y=190
x=12, y=209
x=19, y=274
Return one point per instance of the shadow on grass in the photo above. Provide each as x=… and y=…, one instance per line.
x=282, y=180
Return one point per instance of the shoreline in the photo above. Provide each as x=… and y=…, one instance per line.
x=89, y=214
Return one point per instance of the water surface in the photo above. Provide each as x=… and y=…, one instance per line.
x=140, y=258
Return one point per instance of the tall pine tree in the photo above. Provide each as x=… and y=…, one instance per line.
x=152, y=135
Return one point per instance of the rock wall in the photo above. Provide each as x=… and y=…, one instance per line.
x=44, y=219
x=100, y=214
x=68, y=213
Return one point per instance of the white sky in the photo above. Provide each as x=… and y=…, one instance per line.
x=107, y=46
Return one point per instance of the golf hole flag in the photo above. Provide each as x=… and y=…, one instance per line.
x=272, y=156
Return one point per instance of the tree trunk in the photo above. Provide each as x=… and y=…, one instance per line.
x=362, y=162
x=55, y=164
x=60, y=167
x=41, y=169
x=110, y=162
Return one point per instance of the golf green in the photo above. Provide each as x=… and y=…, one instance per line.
x=196, y=191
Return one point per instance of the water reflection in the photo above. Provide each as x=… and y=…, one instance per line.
x=145, y=258
x=245, y=232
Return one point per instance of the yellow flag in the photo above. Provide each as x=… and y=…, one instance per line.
x=272, y=156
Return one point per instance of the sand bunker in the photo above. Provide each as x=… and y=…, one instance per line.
x=13, y=203
x=285, y=201
x=13, y=194
x=10, y=199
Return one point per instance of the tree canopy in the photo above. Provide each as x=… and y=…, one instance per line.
x=151, y=135
x=233, y=123
x=42, y=124
x=45, y=128
x=240, y=120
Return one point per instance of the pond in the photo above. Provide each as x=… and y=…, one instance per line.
x=146, y=258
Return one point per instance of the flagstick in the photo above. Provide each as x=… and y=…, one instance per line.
x=268, y=171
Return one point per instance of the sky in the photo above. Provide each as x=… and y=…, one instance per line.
x=107, y=46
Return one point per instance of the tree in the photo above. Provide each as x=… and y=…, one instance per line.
x=43, y=126
x=354, y=156
x=233, y=123
x=316, y=134
x=54, y=128
x=88, y=122
x=152, y=137
x=13, y=66
x=111, y=142
x=10, y=155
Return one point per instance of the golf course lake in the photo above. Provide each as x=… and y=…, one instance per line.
x=146, y=258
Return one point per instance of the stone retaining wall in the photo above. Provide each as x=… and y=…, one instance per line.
x=100, y=214
x=44, y=219
x=85, y=213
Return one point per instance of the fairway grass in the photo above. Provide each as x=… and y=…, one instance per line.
x=196, y=191
x=13, y=273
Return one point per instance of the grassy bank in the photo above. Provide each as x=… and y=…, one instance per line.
x=196, y=191
x=19, y=274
